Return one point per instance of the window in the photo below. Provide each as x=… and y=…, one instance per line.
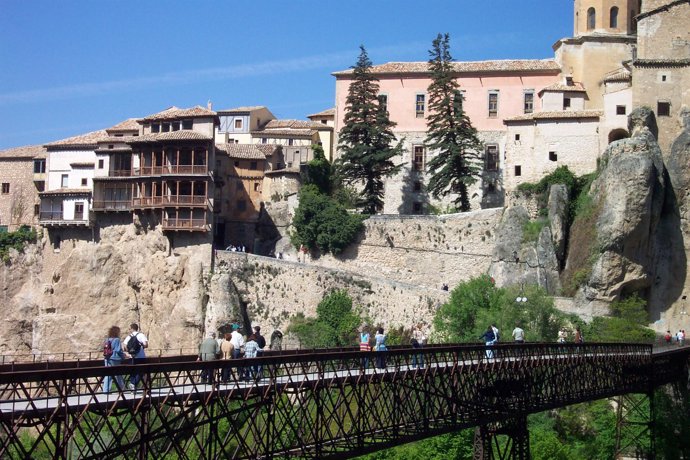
x=83, y=182
x=253, y=165
x=187, y=124
x=291, y=141
x=591, y=18
x=529, y=102
x=256, y=187
x=418, y=158
x=78, y=211
x=155, y=127
x=238, y=123
x=566, y=103
x=419, y=106
x=39, y=166
x=165, y=126
x=517, y=138
x=553, y=156
x=518, y=170
x=620, y=110
x=264, y=140
x=493, y=104
x=613, y=18
x=663, y=109
x=663, y=78
x=5, y=188
x=37, y=209
x=175, y=125
x=241, y=205
x=417, y=207
x=492, y=157
x=111, y=146
x=417, y=186
x=63, y=180
x=383, y=103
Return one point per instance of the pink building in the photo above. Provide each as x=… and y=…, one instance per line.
x=493, y=91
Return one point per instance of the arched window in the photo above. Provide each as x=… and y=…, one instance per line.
x=613, y=18
x=591, y=18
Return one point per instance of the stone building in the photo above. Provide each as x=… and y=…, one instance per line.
x=23, y=171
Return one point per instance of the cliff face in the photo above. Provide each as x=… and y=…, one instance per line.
x=66, y=301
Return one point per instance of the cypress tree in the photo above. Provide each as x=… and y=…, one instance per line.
x=450, y=134
x=366, y=139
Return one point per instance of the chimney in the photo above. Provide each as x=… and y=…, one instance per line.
x=209, y=105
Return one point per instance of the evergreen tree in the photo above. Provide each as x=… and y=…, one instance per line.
x=366, y=140
x=450, y=133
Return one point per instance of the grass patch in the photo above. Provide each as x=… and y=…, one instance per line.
x=532, y=228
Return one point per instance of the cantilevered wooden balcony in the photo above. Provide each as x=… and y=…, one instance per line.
x=189, y=224
x=176, y=170
x=194, y=201
x=112, y=205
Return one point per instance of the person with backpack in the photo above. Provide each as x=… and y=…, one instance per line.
x=262, y=344
x=113, y=356
x=135, y=343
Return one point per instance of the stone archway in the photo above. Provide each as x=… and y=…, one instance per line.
x=618, y=134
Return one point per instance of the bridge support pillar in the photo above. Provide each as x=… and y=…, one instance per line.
x=488, y=447
x=634, y=426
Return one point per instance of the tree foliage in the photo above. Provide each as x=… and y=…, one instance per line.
x=319, y=171
x=627, y=323
x=450, y=134
x=320, y=222
x=476, y=303
x=15, y=240
x=335, y=325
x=366, y=139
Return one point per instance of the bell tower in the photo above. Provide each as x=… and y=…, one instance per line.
x=605, y=17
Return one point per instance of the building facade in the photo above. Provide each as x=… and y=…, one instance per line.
x=23, y=174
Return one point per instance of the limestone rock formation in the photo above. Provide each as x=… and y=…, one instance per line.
x=558, y=218
x=635, y=222
x=516, y=261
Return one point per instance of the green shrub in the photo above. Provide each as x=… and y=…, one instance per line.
x=532, y=228
x=16, y=240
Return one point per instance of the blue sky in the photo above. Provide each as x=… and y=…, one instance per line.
x=74, y=66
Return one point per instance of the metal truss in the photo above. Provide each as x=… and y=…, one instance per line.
x=322, y=404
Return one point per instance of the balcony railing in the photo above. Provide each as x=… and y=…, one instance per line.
x=185, y=224
x=170, y=169
x=112, y=205
x=163, y=201
x=57, y=218
x=120, y=173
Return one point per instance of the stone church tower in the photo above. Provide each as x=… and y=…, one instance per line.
x=603, y=38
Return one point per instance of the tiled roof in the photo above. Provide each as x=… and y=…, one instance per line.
x=250, y=108
x=67, y=191
x=295, y=124
x=268, y=149
x=661, y=63
x=277, y=172
x=83, y=140
x=181, y=135
x=285, y=132
x=243, y=151
x=27, y=151
x=508, y=65
x=131, y=124
x=325, y=113
x=563, y=114
x=173, y=113
x=560, y=87
x=619, y=75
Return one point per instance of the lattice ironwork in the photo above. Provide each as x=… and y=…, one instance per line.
x=634, y=426
x=322, y=404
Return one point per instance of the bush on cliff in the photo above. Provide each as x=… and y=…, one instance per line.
x=321, y=223
x=15, y=240
x=335, y=325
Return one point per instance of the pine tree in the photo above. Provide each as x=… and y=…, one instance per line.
x=366, y=139
x=450, y=133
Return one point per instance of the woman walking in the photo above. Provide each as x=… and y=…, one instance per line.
x=113, y=355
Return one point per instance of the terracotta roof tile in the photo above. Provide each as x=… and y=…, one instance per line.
x=131, y=124
x=173, y=113
x=181, y=135
x=560, y=88
x=563, y=114
x=325, y=113
x=250, y=108
x=27, y=151
x=66, y=191
x=82, y=140
x=618, y=75
x=294, y=124
x=285, y=132
x=508, y=65
x=242, y=151
x=268, y=149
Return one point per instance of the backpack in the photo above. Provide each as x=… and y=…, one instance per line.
x=133, y=345
x=107, y=349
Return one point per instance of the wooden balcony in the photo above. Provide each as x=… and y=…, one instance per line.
x=194, y=201
x=56, y=218
x=185, y=224
x=112, y=205
x=174, y=170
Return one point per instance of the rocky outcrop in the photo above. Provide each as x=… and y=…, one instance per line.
x=558, y=218
x=518, y=262
x=636, y=221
